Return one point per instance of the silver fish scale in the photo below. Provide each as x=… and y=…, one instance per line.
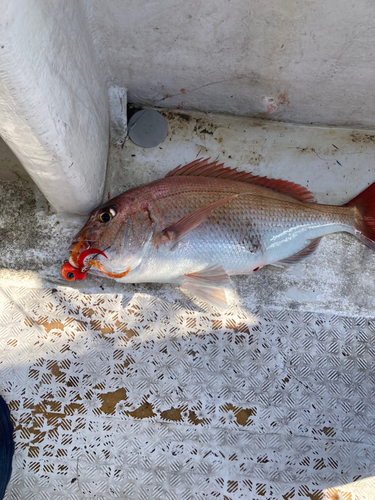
x=245, y=233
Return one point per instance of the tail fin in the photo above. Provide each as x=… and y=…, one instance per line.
x=365, y=223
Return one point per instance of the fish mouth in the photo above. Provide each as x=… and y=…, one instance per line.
x=85, y=245
x=80, y=249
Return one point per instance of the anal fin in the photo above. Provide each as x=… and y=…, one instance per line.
x=208, y=284
x=301, y=255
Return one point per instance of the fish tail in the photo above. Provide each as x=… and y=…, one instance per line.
x=365, y=219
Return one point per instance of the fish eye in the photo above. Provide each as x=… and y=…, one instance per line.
x=107, y=216
x=70, y=276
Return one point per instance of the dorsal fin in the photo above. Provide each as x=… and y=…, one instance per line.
x=205, y=168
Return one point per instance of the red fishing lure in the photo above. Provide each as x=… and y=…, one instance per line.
x=71, y=273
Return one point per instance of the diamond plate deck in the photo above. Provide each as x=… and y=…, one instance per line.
x=145, y=399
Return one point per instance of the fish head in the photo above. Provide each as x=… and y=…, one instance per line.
x=119, y=228
x=101, y=228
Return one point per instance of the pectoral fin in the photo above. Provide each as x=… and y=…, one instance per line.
x=300, y=256
x=185, y=225
x=208, y=285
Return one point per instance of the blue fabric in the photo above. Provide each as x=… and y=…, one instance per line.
x=6, y=446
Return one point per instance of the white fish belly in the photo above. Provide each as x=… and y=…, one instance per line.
x=236, y=255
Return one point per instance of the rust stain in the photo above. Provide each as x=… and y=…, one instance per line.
x=88, y=312
x=241, y=414
x=123, y=328
x=109, y=329
x=290, y=494
x=329, y=431
x=284, y=382
x=72, y=407
x=55, y=369
x=361, y=137
x=317, y=495
x=79, y=325
x=172, y=414
x=105, y=330
x=281, y=100
x=50, y=411
x=110, y=400
x=193, y=419
x=180, y=106
x=261, y=489
x=232, y=486
x=54, y=325
x=183, y=91
x=55, y=414
x=144, y=411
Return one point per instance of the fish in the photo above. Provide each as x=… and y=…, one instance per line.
x=204, y=223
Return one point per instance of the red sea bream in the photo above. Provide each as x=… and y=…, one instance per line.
x=204, y=223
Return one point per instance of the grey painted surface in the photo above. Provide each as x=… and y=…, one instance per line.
x=294, y=60
x=54, y=111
